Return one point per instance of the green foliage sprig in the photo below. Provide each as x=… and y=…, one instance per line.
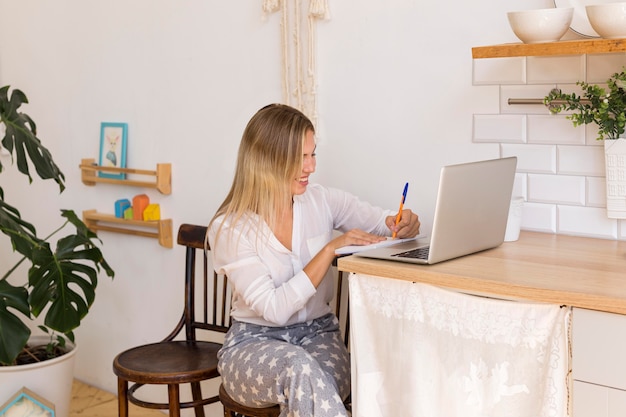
x=606, y=107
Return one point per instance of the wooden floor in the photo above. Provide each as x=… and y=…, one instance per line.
x=88, y=401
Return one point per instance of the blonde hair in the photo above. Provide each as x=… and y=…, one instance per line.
x=270, y=157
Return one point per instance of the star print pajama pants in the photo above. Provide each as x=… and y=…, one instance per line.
x=304, y=367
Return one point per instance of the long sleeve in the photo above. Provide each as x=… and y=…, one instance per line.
x=349, y=212
x=268, y=282
x=262, y=275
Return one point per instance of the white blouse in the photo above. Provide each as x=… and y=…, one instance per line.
x=268, y=283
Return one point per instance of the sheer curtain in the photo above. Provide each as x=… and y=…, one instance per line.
x=419, y=350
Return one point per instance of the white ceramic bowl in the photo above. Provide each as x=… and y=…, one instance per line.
x=541, y=25
x=609, y=19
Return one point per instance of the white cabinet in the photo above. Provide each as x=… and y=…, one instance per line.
x=592, y=400
x=598, y=364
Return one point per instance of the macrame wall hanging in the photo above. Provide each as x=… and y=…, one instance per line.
x=298, y=50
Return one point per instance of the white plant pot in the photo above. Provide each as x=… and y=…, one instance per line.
x=615, y=158
x=50, y=379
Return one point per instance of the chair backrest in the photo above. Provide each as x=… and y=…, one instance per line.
x=207, y=296
x=213, y=313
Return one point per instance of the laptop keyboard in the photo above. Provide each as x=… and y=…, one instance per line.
x=419, y=253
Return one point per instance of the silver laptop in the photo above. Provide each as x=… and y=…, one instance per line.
x=470, y=214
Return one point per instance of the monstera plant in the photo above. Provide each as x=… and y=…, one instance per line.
x=60, y=283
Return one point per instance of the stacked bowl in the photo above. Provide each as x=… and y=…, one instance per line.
x=609, y=19
x=541, y=25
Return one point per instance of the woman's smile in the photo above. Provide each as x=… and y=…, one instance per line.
x=308, y=164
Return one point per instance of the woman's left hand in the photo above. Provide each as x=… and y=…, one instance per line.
x=409, y=225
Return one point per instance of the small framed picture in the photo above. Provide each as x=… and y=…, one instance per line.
x=26, y=403
x=113, y=137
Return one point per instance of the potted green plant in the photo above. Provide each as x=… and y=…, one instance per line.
x=605, y=107
x=61, y=281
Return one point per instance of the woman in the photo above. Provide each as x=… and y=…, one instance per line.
x=273, y=237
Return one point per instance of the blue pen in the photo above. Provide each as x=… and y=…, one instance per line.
x=399, y=216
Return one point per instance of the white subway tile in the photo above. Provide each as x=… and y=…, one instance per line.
x=586, y=221
x=532, y=158
x=596, y=192
x=554, y=129
x=581, y=160
x=485, y=99
x=558, y=189
x=499, y=71
x=499, y=128
x=538, y=217
x=591, y=135
x=601, y=66
x=520, y=185
x=553, y=69
x=524, y=91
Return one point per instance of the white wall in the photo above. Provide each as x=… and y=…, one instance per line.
x=396, y=102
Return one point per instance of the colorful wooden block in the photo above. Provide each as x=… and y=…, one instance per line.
x=128, y=213
x=140, y=202
x=152, y=212
x=121, y=206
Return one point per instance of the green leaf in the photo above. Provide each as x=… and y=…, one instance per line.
x=22, y=234
x=606, y=107
x=66, y=279
x=13, y=332
x=20, y=139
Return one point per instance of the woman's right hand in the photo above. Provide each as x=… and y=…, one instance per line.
x=317, y=267
x=355, y=237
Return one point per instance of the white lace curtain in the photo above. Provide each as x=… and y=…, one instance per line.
x=419, y=350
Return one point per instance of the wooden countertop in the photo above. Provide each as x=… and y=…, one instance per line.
x=575, y=271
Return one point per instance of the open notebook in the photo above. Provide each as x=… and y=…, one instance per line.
x=471, y=213
x=348, y=250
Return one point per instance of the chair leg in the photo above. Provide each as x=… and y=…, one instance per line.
x=196, y=394
x=173, y=392
x=122, y=397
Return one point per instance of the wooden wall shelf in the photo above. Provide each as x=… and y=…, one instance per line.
x=107, y=222
x=569, y=47
x=162, y=182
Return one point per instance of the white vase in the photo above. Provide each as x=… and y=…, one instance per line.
x=615, y=158
x=51, y=379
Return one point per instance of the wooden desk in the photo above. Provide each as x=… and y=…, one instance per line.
x=575, y=271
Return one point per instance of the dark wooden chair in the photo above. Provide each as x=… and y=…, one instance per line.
x=182, y=357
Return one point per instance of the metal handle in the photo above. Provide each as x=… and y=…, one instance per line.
x=540, y=100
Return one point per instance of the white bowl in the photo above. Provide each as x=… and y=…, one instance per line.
x=541, y=25
x=609, y=20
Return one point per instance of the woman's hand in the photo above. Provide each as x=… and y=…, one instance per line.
x=409, y=225
x=317, y=267
x=355, y=237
